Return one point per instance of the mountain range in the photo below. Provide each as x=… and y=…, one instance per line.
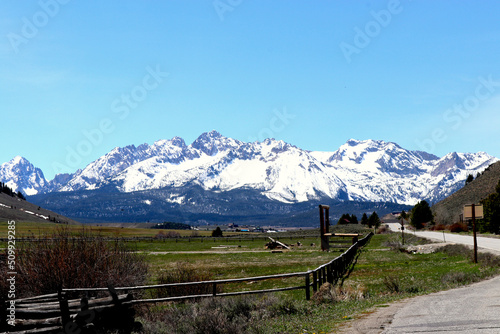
x=219, y=176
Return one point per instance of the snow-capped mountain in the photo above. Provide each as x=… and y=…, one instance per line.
x=367, y=170
x=382, y=171
x=20, y=175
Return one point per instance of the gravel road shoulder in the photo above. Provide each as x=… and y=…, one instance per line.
x=373, y=322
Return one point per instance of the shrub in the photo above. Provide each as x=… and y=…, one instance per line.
x=454, y=250
x=169, y=234
x=438, y=227
x=350, y=228
x=328, y=293
x=383, y=230
x=82, y=260
x=181, y=273
x=213, y=316
x=283, y=306
x=459, y=227
x=459, y=278
x=392, y=283
x=488, y=260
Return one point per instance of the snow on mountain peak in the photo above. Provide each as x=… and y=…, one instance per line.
x=212, y=142
x=20, y=175
x=364, y=170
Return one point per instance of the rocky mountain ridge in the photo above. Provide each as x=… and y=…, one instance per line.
x=369, y=170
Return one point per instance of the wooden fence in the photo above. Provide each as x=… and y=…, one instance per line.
x=55, y=313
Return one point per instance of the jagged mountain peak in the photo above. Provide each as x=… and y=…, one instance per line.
x=20, y=175
x=175, y=141
x=362, y=170
x=213, y=142
x=371, y=144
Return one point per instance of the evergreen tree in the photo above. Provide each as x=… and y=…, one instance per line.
x=364, y=219
x=344, y=219
x=420, y=214
x=374, y=220
x=470, y=178
x=491, y=212
x=217, y=233
x=354, y=219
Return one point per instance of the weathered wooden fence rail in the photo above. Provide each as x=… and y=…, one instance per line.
x=51, y=313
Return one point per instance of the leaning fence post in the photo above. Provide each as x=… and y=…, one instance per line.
x=114, y=295
x=308, y=283
x=63, y=305
x=315, y=281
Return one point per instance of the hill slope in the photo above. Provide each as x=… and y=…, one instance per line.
x=449, y=209
x=13, y=208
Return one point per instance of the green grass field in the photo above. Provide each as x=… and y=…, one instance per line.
x=380, y=276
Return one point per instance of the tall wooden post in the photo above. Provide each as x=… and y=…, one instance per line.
x=324, y=226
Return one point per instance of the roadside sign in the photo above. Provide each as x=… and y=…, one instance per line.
x=478, y=211
x=473, y=212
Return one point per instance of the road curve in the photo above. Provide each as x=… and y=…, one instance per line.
x=471, y=309
x=487, y=244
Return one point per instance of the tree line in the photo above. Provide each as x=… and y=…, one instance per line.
x=7, y=190
x=419, y=215
x=372, y=221
x=491, y=211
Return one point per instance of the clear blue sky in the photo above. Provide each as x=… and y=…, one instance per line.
x=87, y=76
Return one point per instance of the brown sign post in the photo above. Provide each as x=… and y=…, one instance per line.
x=472, y=211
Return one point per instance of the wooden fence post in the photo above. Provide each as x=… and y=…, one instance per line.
x=214, y=289
x=329, y=273
x=84, y=303
x=308, y=283
x=114, y=295
x=64, y=307
x=315, y=281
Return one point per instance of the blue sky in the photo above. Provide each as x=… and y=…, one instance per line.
x=78, y=78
